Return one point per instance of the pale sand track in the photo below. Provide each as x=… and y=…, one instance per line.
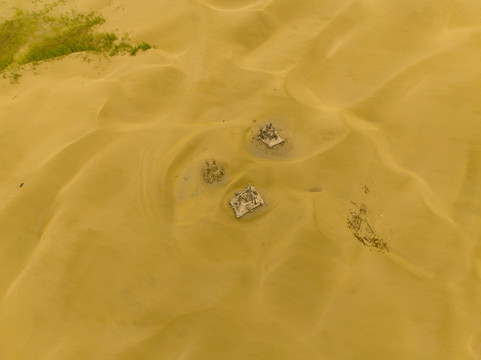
x=115, y=249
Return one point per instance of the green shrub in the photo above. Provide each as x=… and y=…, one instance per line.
x=35, y=36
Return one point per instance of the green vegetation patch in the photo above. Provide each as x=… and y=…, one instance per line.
x=34, y=36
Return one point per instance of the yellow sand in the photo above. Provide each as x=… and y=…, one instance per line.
x=114, y=247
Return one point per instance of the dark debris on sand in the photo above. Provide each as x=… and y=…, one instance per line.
x=363, y=231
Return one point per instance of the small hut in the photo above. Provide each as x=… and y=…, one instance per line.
x=246, y=201
x=269, y=136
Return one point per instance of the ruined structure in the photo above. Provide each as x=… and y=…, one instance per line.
x=212, y=172
x=246, y=201
x=269, y=136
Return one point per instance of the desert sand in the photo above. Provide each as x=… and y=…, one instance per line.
x=112, y=247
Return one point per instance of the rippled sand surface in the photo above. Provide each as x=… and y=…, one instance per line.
x=115, y=248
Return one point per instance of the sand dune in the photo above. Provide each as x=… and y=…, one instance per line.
x=112, y=246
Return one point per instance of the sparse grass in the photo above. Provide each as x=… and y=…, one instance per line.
x=125, y=47
x=35, y=36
